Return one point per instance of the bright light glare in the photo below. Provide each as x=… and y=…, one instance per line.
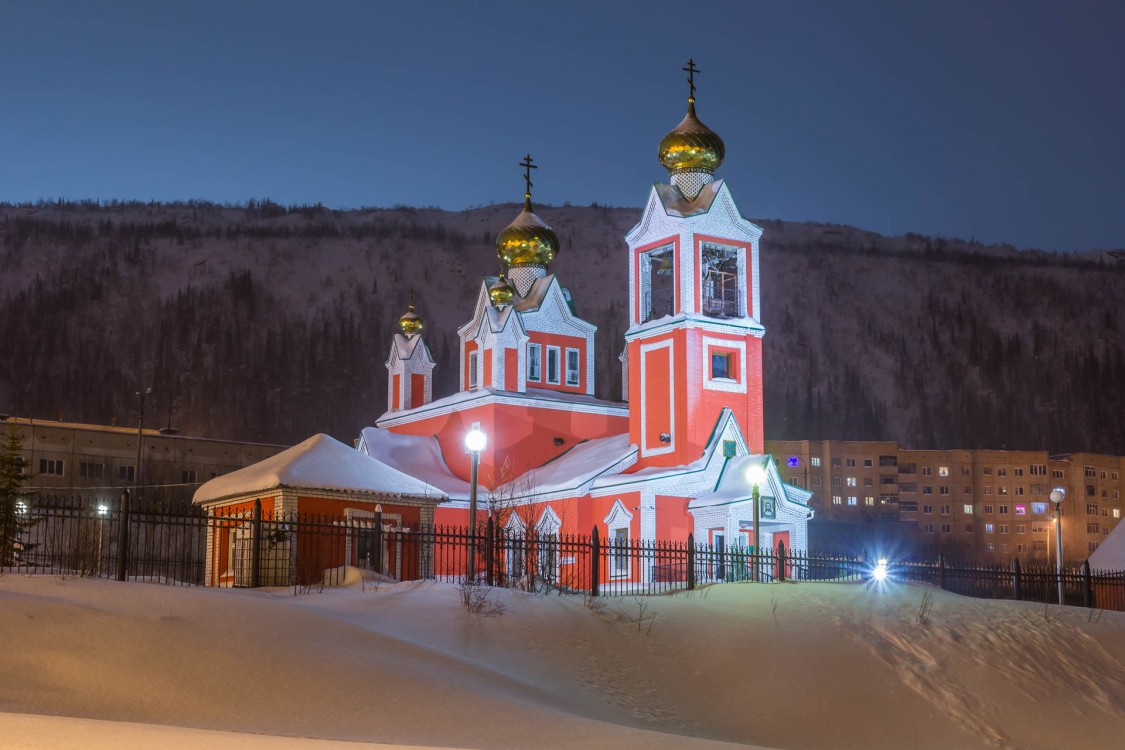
x=880, y=572
x=756, y=474
x=475, y=441
x=103, y=509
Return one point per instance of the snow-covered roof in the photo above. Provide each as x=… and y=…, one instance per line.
x=541, y=397
x=417, y=456
x=319, y=463
x=1110, y=554
x=576, y=467
x=677, y=205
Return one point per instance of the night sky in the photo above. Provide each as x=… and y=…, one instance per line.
x=1001, y=121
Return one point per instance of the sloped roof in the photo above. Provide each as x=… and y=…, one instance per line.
x=417, y=456
x=576, y=467
x=1110, y=554
x=675, y=204
x=319, y=463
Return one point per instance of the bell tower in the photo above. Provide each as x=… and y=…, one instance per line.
x=694, y=344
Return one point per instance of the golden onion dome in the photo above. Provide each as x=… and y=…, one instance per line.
x=527, y=241
x=410, y=323
x=691, y=146
x=501, y=292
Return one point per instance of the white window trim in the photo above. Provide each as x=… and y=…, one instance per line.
x=558, y=366
x=474, y=369
x=729, y=385
x=577, y=366
x=538, y=377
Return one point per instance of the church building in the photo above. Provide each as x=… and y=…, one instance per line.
x=684, y=453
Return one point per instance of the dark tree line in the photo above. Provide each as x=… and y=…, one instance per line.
x=266, y=322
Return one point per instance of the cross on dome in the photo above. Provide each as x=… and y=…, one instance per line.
x=691, y=70
x=527, y=167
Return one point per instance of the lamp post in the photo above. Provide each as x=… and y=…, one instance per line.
x=475, y=442
x=756, y=475
x=1057, y=496
x=140, y=439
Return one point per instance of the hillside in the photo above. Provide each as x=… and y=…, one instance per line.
x=267, y=323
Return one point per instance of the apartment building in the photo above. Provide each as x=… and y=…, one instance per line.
x=99, y=461
x=983, y=505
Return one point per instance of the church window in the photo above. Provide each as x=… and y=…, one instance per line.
x=472, y=370
x=535, y=362
x=553, y=365
x=620, y=552
x=721, y=364
x=572, y=362
x=658, y=283
x=719, y=266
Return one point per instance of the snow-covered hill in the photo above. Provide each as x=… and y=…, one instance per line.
x=268, y=323
x=798, y=666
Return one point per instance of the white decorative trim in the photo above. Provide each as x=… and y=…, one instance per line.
x=619, y=516
x=483, y=397
x=671, y=446
x=549, y=522
x=724, y=384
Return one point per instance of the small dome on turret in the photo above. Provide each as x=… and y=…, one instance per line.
x=527, y=241
x=410, y=324
x=501, y=292
x=691, y=146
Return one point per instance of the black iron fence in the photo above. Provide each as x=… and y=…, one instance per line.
x=242, y=548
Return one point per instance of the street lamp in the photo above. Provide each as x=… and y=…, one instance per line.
x=140, y=440
x=1057, y=496
x=475, y=441
x=756, y=475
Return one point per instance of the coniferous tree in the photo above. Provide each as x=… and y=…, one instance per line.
x=14, y=521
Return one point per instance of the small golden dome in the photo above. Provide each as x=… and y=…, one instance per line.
x=410, y=323
x=691, y=146
x=501, y=292
x=527, y=241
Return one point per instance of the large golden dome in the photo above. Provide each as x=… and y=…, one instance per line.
x=410, y=323
x=527, y=241
x=691, y=146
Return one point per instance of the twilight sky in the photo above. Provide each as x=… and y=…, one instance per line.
x=1000, y=120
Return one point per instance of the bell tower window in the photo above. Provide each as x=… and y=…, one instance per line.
x=658, y=283
x=720, y=284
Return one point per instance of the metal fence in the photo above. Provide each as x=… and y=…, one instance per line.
x=185, y=545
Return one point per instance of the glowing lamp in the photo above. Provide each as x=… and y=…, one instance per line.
x=880, y=572
x=475, y=440
x=1058, y=495
x=103, y=509
x=756, y=475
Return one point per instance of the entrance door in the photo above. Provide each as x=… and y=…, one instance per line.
x=781, y=542
x=720, y=542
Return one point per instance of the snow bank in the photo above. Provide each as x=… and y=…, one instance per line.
x=796, y=666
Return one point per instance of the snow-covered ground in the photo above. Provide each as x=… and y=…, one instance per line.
x=100, y=664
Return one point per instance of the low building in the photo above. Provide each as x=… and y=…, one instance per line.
x=96, y=462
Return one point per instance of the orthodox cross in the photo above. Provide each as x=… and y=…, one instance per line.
x=691, y=70
x=527, y=167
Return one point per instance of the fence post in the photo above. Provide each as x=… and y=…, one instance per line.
x=941, y=570
x=595, y=562
x=123, y=536
x=690, y=561
x=1087, y=584
x=489, y=547
x=377, y=552
x=1018, y=579
x=256, y=545
x=781, y=561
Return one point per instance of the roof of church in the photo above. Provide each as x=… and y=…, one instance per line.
x=319, y=463
x=576, y=467
x=532, y=397
x=417, y=456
